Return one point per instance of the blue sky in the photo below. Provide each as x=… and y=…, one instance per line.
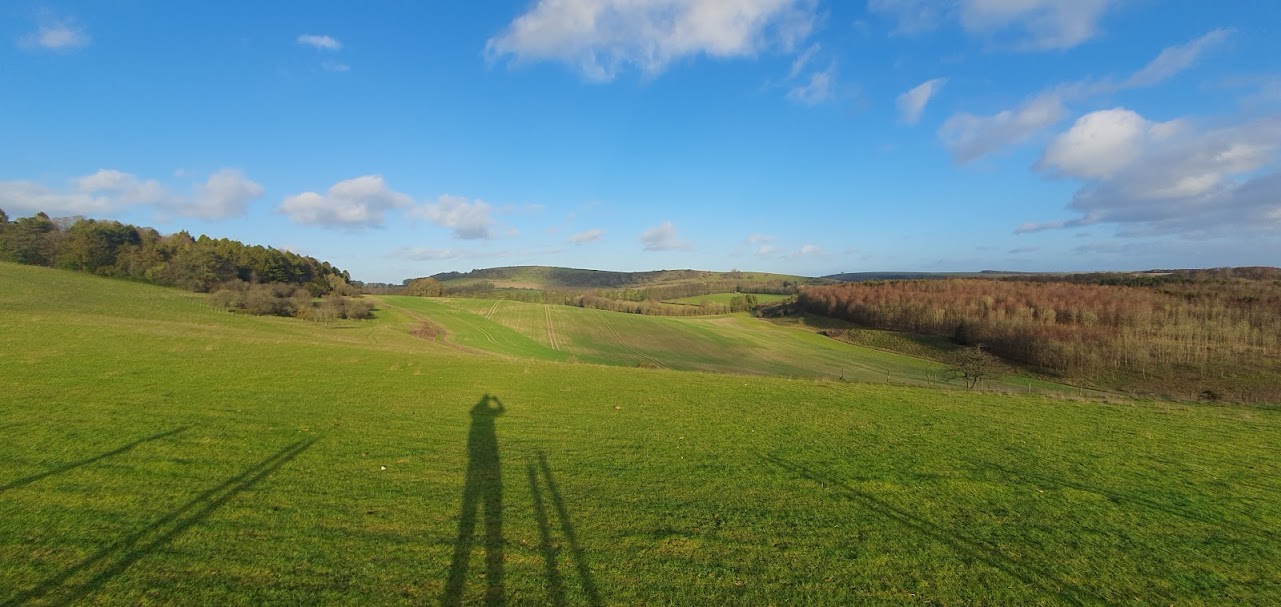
x=400, y=139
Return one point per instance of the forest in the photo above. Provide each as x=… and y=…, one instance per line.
x=244, y=278
x=1210, y=334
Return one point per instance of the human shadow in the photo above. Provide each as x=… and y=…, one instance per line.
x=1033, y=575
x=118, y=557
x=27, y=480
x=551, y=552
x=482, y=490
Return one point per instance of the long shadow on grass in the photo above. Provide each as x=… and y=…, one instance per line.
x=555, y=582
x=115, y=559
x=1028, y=476
x=1038, y=577
x=84, y=462
x=483, y=488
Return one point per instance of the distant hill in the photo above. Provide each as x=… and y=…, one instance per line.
x=866, y=276
x=546, y=277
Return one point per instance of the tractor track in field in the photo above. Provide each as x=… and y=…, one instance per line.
x=551, y=328
x=489, y=315
x=436, y=329
x=619, y=339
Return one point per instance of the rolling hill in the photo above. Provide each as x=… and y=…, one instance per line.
x=157, y=450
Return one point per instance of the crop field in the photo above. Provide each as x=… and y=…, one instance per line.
x=159, y=451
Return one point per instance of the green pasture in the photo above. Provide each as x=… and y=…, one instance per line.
x=158, y=451
x=730, y=343
x=733, y=343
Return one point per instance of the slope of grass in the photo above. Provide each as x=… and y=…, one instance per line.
x=723, y=344
x=157, y=451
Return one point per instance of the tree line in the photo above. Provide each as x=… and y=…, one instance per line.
x=1209, y=334
x=250, y=275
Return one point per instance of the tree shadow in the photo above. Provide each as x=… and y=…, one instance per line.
x=1043, y=480
x=118, y=557
x=990, y=554
x=555, y=582
x=483, y=489
x=84, y=462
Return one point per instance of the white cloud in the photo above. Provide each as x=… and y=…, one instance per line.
x=912, y=103
x=1103, y=143
x=1042, y=24
x=55, y=34
x=355, y=203
x=108, y=191
x=809, y=250
x=1033, y=24
x=601, y=38
x=756, y=239
x=586, y=236
x=970, y=137
x=1175, y=59
x=913, y=16
x=768, y=249
x=819, y=88
x=324, y=43
x=225, y=194
x=334, y=66
x=663, y=237
x=1170, y=177
x=468, y=220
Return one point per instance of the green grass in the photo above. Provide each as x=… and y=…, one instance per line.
x=158, y=451
x=724, y=298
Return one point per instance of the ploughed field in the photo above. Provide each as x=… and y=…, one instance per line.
x=156, y=450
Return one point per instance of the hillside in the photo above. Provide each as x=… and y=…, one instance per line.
x=554, y=278
x=160, y=451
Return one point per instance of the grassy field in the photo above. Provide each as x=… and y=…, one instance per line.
x=157, y=451
x=733, y=343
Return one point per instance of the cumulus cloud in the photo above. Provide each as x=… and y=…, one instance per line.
x=109, y=191
x=601, y=38
x=912, y=103
x=586, y=237
x=55, y=34
x=1103, y=143
x=1168, y=177
x=969, y=136
x=663, y=237
x=469, y=220
x=226, y=193
x=354, y=203
x=324, y=43
x=756, y=239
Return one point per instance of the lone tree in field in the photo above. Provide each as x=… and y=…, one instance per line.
x=425, y=287
x=973, y=365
